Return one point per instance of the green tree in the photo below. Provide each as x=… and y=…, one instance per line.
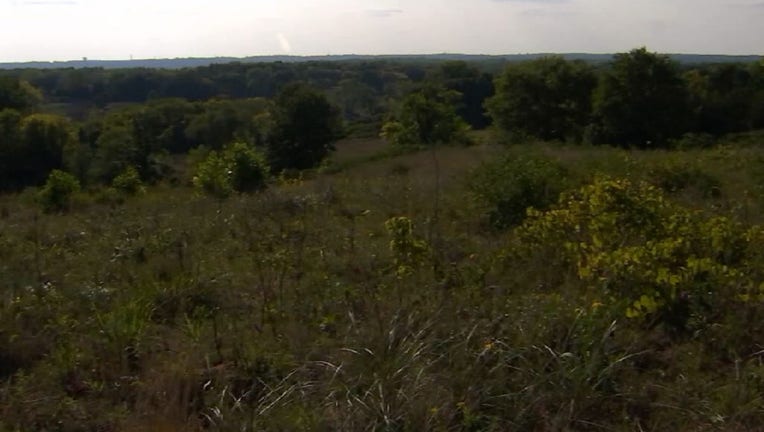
x=549, y=99
x=357, y=100
x=305, y=127
x=10, y=147
x=473, y=86
x=115, y=150
x=722, y=98
x=44, y=137
x=642, y=101
x=427, y=117
x=222, y=122
x=32, y=146
x=18, y=94
x=160, y=125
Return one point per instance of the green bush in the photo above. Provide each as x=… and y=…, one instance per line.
x=128, y=182
x=58, y=191
x=248, y=168
x=238, y=168
x=509, y=186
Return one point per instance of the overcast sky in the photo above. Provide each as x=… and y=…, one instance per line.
x=118, y=29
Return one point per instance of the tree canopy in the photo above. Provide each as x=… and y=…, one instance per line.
x=426, y=117
x=548, y=99
x=641, y=101
x=305, y=127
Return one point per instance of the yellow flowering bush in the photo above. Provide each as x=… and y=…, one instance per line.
x=662, y=260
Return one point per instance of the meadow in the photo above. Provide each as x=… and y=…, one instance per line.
x=396, y=292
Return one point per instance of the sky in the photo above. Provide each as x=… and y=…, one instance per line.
x=47, y=30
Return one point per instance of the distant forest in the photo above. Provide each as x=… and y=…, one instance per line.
x=96, y=122
x=179, y=63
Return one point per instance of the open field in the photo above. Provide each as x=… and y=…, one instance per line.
x=303, y=308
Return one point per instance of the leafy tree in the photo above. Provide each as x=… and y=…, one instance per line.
x=473, y=86
x=138, y=137
x=305, y=126
x=426, y=117
x=642, y=101
x=18, y=94
x=58, y=191
x=44, y=138
x=115, y=150
x=722, y=98
x=224, y=121
x=10, y=146
x=357, y=100
x=548, y=99
x=32, y=146
x=160, y=125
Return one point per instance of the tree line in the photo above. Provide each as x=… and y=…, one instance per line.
x=641, y=99
x=136, y=119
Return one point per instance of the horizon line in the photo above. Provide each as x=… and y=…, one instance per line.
x=427, y=54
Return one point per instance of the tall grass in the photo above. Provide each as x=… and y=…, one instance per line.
x=283, y=310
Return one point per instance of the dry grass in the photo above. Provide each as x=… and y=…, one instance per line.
x=284, y=311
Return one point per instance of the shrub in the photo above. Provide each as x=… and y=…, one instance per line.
x=58, y=191
x=656, y=259
x=238, y=168
x=128, y=182
x=408, y=251
x=248, y=168
x=509, y=186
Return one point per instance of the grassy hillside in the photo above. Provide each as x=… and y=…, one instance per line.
x=378, y=295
